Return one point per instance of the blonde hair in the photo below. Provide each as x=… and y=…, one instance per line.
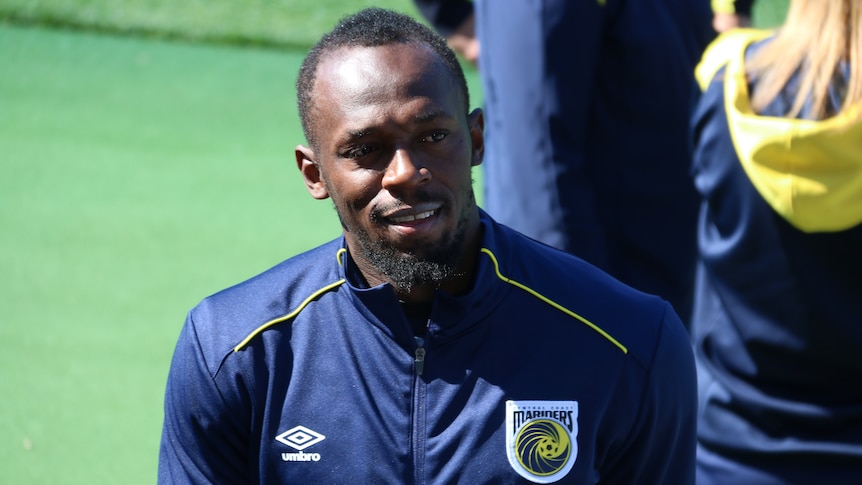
x=815, y=38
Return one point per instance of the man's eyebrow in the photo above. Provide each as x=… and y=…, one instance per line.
x=424, y=117
x=432, y=115
x=357, y=134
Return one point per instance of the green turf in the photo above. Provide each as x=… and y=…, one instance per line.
x=136, y=177
x=769, y=13
x=270, y=22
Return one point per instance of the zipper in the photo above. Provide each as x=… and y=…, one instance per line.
x=419, y=356
x=419, y=412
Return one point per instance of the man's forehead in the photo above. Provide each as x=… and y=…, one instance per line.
x=407, y=80
x=361, y=65
x=362, y=76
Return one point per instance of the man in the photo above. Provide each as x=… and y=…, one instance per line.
x=428, y=344
x=592, y=98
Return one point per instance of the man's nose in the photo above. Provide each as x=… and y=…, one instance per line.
x=403, y=170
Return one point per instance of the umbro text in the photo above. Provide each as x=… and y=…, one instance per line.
x=300, y=456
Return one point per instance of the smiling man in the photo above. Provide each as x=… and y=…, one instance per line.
x=389, y=140
x=427, y=344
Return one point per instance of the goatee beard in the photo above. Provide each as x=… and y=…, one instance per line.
x=435, y=263
x=405, y=270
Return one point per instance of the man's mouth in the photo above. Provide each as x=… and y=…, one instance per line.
x=412, y=217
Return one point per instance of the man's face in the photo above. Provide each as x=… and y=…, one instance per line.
x=394, y=151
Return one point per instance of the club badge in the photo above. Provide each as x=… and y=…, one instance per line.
x=541, y=438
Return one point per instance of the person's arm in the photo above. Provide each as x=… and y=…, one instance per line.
x=202, y=438
x=454, y=20
x=662, y=448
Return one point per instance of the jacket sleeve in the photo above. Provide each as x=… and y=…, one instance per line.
x=575, y=48
x=539, y=68
x=203, y=440
x=445, y=15
x=661, y=449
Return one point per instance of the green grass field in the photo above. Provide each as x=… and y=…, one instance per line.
x=769, y=13
x=283, y=23
x=137, y=176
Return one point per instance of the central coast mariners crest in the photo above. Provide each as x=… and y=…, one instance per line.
x=541, y=438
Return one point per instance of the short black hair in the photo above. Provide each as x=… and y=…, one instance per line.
x=371, y=27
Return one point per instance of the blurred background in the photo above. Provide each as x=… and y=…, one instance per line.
x=146, y=161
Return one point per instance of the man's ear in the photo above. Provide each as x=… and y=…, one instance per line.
x=305, y=161
x=476, y=121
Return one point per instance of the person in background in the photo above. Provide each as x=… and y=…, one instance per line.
x=587, y=109
x=777, y=325
x=731, y=14
x=427, y=343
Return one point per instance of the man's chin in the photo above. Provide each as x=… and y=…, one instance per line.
x=406, y=267
x=409, y=262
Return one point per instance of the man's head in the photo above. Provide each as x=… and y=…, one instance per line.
x=392, y=144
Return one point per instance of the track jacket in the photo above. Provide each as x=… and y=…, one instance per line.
x=548, y=370
x=778, y=313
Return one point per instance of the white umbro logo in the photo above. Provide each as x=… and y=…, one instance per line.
x=300, y=438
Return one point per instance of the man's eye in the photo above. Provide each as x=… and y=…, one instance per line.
x=359, y=151
x=435, y=137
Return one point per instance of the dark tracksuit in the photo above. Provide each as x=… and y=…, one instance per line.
x=547, y=370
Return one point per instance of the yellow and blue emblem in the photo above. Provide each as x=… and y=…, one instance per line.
x=541, y=438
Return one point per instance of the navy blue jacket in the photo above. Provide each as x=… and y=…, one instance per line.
x=777, y=324
x=547, y=370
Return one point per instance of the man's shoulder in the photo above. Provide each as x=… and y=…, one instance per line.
x=552, y=268
x=294, y=273
x=222, y=320
x=629, y=318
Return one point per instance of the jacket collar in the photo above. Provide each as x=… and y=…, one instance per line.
x=450, y=315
